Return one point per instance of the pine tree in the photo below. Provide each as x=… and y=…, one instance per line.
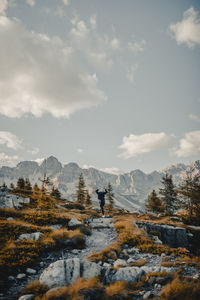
x=12, y=186
x=28, y=186
x=110, y=196
x=81, y=190
x=154, y=204
x=4, y=185
x=88, y=201
x=169, y=195
x=20, y=183
x=55, y=193
x=36, y=188
x=45, y=183
x=189, y=189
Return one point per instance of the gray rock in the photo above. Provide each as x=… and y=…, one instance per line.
x=90, y=269
x=11, y=278
x=30, y=271
x=106, y=265
x=120, y=262
x=21, y=276
x=30, y=236
x=170, y=235
x=74, y=222
x=156, y=240
x=133, y=250
x=147, y=295
x=10, y=219
x=149, y=269
x=128, y=274
x=55, y=227
x=27, y=297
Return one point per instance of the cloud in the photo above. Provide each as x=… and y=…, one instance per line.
x=66, y=2
x=41, y=75
x=98, y=49
x=188, y=30
x=39, y=160
x=34, y=151
x=194, y=117
x=79, y=150
x=3, y=6
x=136, y=47
x=134, y=145
x=10, y=140
x=88, y=166
x=31, y=2
x=6, y=160
x=114, y=171
x=189, y=145
x=130, y=72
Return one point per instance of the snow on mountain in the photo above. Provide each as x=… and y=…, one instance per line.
x=131, y=189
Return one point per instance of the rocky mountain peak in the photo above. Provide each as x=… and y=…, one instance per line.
x=51, y=165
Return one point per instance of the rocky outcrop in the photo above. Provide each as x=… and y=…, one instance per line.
x=73, y=223
x=35, y=236
x=169, y=235
x=11, y=201
x=65, y=272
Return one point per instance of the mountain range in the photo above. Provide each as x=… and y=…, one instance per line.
x=131, y=189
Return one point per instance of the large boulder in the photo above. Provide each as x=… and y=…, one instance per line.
x=169, y=235
x=65, y=272
x=11, y=201
x=73, y=223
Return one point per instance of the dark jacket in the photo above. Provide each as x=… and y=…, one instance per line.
x=101, y=195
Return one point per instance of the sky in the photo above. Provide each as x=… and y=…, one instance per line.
x=113, y=84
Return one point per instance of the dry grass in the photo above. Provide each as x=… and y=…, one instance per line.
x=81, y=289
x=117, y=288
x=109, y=252
x=187, y=289
x=35, y=288
x=139, y=263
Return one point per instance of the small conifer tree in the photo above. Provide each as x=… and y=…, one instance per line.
x=12, y=186
x=110, y=196
x=81, y=190
x=20, y=183
x=28, y=186
x=154, y=204
x=4, y=185
x=55, y=193
x=169, y=195
x=88, y=201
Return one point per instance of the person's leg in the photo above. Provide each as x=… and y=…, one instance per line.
x=102, y=210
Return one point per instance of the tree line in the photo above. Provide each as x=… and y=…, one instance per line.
x=171, y=198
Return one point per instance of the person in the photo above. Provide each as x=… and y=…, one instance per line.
x=101, y=197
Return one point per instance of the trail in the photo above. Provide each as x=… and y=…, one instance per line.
x=102, y=236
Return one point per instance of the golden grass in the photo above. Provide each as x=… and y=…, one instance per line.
x=187, y=289
x=117, y=288
x=35, y=288
x=139, y=263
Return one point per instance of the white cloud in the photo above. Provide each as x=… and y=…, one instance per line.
x=88, y=166
x=134, y=145
x=3, y=6
x=31, y=2
x=79, y=150
x=188, y=30
x=34, y=151
x=43, y=75
x=39, y=160
x=137, y=47
x=66, y=2
x=10, y=140
x=194, y=117
x=114, y=171
x=130, y=72
x=97, y=48
x=6, y=160
x=189, y=145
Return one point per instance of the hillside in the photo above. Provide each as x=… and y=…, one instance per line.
x=131, y=189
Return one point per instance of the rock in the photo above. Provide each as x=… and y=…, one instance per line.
x=11, y=278
x=133, y=250
x=90, y=269
x=130, y=260
x=55, y=227
x=74, y=222
x=163, y=255
x=10, y=219
x=41, y=264
x=21, y=276
x=30, y=271
x=120, y=262
x=75, y=251
x=27, y=297
x=61, y=272
x=128, y=274
x=106, y=265
x=172, y=236
x=149, y=269
x=30, y=236
x=156, y=240
x=148, y=295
